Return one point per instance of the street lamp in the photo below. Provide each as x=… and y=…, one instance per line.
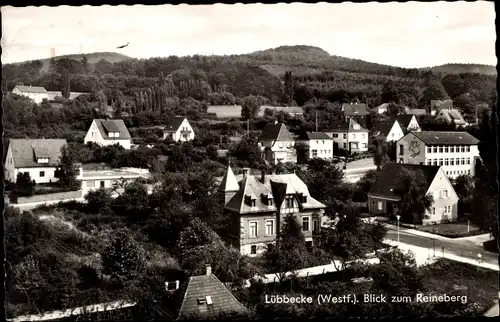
x=397, y=217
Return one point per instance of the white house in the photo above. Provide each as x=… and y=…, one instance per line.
x=381, y=109
x=38, y=157
x=451, y=116
x=108, y=132
x=455, y=152
x=383, y=197
x=319, y=145
x=349, y=136
x=111, y=179
x=36, y=93
x=179, y=129
x=277, y=144
x=387, y=131
x=408, y=122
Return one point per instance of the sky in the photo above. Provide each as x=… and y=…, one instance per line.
x=411, y=34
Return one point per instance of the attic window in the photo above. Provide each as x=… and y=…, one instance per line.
x=302, y=198
x=114, y=134
x=356, y=126
x=250, y=200
x=42, y=160
x=267, y=200
x=209, y=300
x=202, y=300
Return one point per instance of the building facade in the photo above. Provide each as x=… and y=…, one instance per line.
x=36, y=93
x=349, y=136
x=455, y=152
x=277, y=144
x=179, y=130
x=408, y=122
x=109, y=132
x=319, y=145
x=382, y=199
x=258, y=206
x=111, y=179
x=387, y=131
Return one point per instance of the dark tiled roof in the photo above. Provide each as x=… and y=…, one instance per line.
x=348, y=127
x=446, y=138
x=275, y=132
x=313, y=136
x=199, y=287
x=26, y=151
x=389, y=178
x=404, y=119
x=273, y=185
x=453, y=115
x=32, y=89
x=382, y=128
x=107, y=126
x=175, y=124
x=276, y=109
x=355, y=109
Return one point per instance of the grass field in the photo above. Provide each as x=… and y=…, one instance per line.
x=452, y=230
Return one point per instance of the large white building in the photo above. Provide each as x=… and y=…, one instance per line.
x=319, y=145
x=349, y=136
x=455, y=152
x=36, y=93
x=108, y=132
x=277, y=144
x=179, y=129
x=38, y=157
x=111, y=179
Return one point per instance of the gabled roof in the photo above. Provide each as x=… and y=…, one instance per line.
x=348, y=127
x=25, y=152
x=446, y=138
x=201, y=287
x=31, y=89
x=276, y=185
x=404, y=119
x=107, y=126
x=452, y=115
x=314, y=136
x=355, y=109
x=388, y=178
x=382, y=128
x=229, y=183
x=275, y=132
x=174, y=124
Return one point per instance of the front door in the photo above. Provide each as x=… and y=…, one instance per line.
x=389, y=208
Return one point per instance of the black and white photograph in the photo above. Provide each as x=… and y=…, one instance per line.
x=250, y=161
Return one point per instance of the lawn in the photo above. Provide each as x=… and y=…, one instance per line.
x=479, y=284
x=452, y=230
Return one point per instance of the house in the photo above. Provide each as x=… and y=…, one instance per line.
x=257, y=206
x=292, y=111
x=277, y=144
x=179, y=129
x=36, y=93
x=111, y=179
x=383, y=197
x=51, y=95
x=438, y=105
x=455, y=152
x=408, y=122
x=319, y=145
x=356, y=110
x=349, y=136
x=225, y=111
x=205, y=296
x=386, y=131
x=451, y=116
x=415, y=111
x=38, y=157
x=108, y=132
x=381, y=109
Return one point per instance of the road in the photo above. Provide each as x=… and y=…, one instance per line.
x=458, y=248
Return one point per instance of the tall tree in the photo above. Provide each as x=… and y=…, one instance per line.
x=66, y=171
x=65, y=84
x=380, y=156
x=249, y=107
x=414, y=201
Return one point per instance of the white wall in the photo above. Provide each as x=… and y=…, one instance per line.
x=413, y=125
x=36, y=174
x=36, y=97
x=343, y=139
x=9, y=171
x=94, y=135
x=403, y=153
x=283, y=151
x=324, y=148
x=177, y=136
x=91, y=184
x=445, y=207
x=395, y=133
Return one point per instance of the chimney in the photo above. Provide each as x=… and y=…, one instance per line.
x=209, y=270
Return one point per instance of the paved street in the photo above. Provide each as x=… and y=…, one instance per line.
x=458, y=248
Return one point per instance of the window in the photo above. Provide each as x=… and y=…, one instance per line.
x=344, y=145
x=345, y=136
x=280, y=145
x=252, y=228
x=363, y=135
x=446, y=161
x=315, y=153
x=42, y=174
x=433, y=210
x=316, y=224
x=445, y=194
x=364, y=145
x=354, y=136
x=463, y=161
x=428, y=162
x=335, y=135
x=429, y=149
x=434, y=162
x=445, y=149
x=103, y=184
x=462, y=149
x=93, y=134
x=468, y=160
x=379, y=205
x=356, y=126
x=468, y=148
x=401, y=149
x=468, y=172
x=289, y=201
x=400, y=160
x=457, y=161
x=452, y=161
x=447, y=172
x=440, y=161
x=43, y=160
x=323, y=142
x=90, y=184
x=440, y=149
x=452, y=149
x=305, y=224
x=434, y=149
x=253, y=249
x=209, y=300
x=269, y=227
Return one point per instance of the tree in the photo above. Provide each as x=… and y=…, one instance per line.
x=395, y=109
x=464, y=187
x=249, y=107
x=290, y=252
x=135, y=202
x=364, y=185
x=485, y=200
x=195, y=235
x=66, y=171
x=414, y=201
x=433, y=91
x=124, y=259
x=380, y=156
x=65, y=84
x=24, y=187
x=98, y=201
x=248, y=152
x=323, y=178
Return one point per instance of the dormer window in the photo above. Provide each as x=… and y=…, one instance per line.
x=289, y=201
x=42, y=160
x=302, y=198
x=250, y=200
x=202, y=300
x=267, y=200
x=356, y=126
x=114, y=134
